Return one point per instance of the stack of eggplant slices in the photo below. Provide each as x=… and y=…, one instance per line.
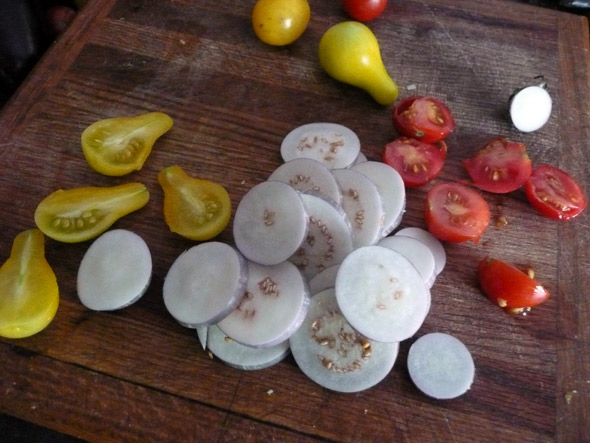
x=317, y=271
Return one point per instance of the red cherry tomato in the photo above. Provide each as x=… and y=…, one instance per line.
x=59, y=18
x=364, y=10
x=501, y=166
x=456, y=213
x=417, y=162
x=424, y=118
x=508, y=286
x=555, y=193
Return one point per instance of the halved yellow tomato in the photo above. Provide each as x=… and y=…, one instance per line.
x=29, y=295
x=120, y=145
x=194, y=208
x=79, y=214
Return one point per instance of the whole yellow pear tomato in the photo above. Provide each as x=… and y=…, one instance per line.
x=280, y=22
x=350, y=53
x=194, y=208
x=79, y=214
x=29, y=295
x=120, y=145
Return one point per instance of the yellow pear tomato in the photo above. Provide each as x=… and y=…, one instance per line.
x=350, y=53
x=194, y=208
x=79, y=214
x=29, y=295
x=120, y=145
x=280, y=22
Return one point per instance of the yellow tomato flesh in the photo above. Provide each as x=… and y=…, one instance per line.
x=79, y=214
x=280, y=22
x=29, y=295
x=118, y=146
x=194, y=208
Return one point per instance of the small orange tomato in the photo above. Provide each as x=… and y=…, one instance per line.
x=194, y=208
x=280, y=22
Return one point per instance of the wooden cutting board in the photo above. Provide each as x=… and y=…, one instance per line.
x=137, y=374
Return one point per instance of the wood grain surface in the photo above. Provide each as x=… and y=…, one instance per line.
x=136, y=374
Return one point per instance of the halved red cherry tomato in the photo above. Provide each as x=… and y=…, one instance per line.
x=425, y=118
x=508, y=286
x=456, y=213
x=501, y=166
x=417, y=162
x=555, y=193
x=364, y=10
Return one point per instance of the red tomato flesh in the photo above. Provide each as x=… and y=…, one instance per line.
x=501, y=166
x=364, y=10
x=555, y=193
x=456, y=213
x=424, y=118
x=417, y=162
x=508, y=286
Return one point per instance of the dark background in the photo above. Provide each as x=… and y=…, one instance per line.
x=27, y=29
